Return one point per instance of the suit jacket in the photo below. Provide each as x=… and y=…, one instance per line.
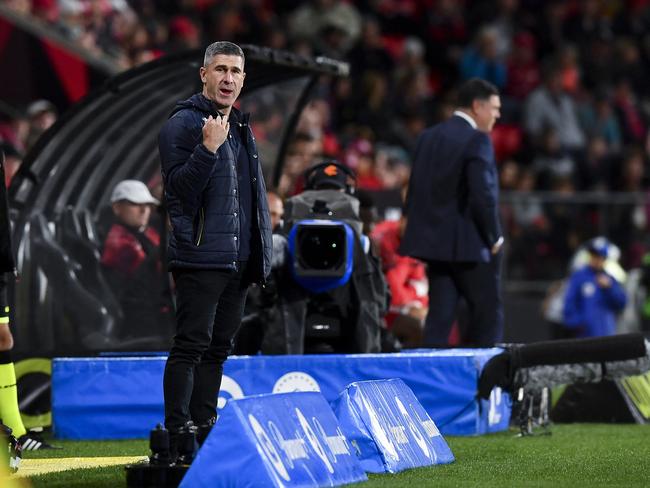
x=453, y=192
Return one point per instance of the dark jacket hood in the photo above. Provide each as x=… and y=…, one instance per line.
x=199, y=102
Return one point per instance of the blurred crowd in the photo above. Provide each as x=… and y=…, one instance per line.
x=572, y=75
x=19, y=132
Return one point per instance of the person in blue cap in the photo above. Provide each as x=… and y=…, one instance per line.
x=593, y=296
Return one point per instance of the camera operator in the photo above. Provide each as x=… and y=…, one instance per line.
x=347, y=314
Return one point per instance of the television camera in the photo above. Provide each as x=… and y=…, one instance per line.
x=327, y=292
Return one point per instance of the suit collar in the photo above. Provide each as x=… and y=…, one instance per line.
x=466, y=117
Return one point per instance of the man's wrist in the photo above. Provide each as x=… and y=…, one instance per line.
x=208, y=149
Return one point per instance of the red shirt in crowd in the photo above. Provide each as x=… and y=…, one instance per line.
x=406, y=276
x=123, y=252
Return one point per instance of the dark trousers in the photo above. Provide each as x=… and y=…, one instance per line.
x=209, y=308
x=480, y=285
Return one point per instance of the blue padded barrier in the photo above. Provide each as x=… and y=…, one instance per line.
x=117, y=398
x=389, y=428
x=288, y=439
x=106, y=398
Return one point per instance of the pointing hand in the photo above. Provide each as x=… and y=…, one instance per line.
x=215, y=131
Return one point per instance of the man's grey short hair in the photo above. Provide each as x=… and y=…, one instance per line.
x=222, y=47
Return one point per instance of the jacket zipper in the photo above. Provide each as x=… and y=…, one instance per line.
x=201, y=224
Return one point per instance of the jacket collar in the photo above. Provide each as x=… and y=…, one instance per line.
x=466, y=117
x=236, y=115
x=239, y=117
x=199, y=102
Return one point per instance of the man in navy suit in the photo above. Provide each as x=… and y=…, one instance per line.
x=453, y=223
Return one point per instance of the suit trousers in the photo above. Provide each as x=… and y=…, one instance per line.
x=209, y=309
x=480, y=285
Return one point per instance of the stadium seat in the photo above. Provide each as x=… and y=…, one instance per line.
x=77, y=311
x=73, y=231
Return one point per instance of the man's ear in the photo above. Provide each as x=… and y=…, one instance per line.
x=202, y=73
x=476, y=105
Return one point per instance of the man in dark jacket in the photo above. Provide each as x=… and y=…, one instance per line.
x=453, y=221
x=220, y=239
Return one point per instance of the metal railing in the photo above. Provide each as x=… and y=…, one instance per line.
x=544, y=230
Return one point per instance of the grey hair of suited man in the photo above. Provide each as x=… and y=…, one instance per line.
x=222, y=47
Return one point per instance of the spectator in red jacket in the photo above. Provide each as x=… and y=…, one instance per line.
x=130, y=240
x=407, y=280
x=131, y=256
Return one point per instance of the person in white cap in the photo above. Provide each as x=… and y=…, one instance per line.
x=131, y=256
x=131, y=201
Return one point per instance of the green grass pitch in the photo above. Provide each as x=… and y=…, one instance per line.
x=580, y=455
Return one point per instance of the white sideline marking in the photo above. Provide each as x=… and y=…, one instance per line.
x=36, y=467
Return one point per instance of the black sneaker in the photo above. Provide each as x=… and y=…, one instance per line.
x=14, y=450
x=33, y=441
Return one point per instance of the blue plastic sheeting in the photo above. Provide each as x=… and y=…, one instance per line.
x=391, y=431
x=289, y=439
x=118, y=398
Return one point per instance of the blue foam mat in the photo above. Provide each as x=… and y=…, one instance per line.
x=390, y=429
x=287, y=439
